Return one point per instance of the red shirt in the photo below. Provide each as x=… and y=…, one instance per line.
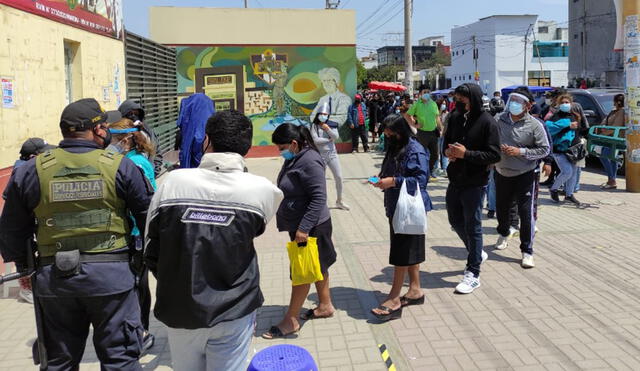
x=360, y=115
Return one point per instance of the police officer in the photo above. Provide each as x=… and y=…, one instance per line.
x=76, y=199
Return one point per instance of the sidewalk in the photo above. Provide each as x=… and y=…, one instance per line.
x=578, y=309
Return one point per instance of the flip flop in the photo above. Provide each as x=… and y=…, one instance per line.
x=608, y=186
x=405, y=301
x=275, y=333
x=311, y=314
x=391, y=314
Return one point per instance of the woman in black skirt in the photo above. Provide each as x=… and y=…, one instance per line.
x=303, y=213
x=405, y=161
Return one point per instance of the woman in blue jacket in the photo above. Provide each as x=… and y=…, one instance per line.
x=405, y=161
x=562, y=127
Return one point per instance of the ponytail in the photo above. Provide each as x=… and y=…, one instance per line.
x=288, y=132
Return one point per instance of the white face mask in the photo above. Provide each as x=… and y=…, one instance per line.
x=323, y=118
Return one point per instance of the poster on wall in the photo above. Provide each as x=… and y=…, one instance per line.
x=103, y=17
x=271, y=84
x=8, y=98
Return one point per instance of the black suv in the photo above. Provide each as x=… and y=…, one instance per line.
x=596, y=103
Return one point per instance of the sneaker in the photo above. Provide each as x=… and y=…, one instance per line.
x=26, y=295
x=527, y=260
x=485, y=256
x=468, y=283
x=554, y=196
x=502, y=243
x=341, y=205
x=572, y=199
x=491, y=214
x=535, y=229
x=147, y=342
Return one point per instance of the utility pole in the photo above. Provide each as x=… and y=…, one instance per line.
x=408, y=53
x=535, y=42
x=476, y=74
x=246, y=3
x=525, y=74
x=332, y=4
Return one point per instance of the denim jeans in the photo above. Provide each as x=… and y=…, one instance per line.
x=491, y=191
x=568, y=174
x=224, y=346
x=610, y=166
x=444, y=160
x=464, y=208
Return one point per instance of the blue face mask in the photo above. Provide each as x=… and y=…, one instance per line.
x=565, y=107
x=516, y=108
x=287, y=154
x=323, y=118
x=426, y=97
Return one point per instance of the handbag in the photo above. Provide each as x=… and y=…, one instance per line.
x=410, y=216
x=576, y=152
x=305, y=262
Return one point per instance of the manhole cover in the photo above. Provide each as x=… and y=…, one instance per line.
x=611, y=202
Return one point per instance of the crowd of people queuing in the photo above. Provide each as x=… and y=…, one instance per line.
x=101, y=221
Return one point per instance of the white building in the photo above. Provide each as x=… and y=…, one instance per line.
x=431, y=41
x=500, y=57
x=370, y=61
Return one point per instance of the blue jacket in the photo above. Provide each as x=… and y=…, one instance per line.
x=194, y=113
x=561, y=134
x=414, y=170
x=352, y=114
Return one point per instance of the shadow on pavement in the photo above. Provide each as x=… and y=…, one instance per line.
x=346, y=299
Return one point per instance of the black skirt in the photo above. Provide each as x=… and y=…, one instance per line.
x=406, y=249
x=326, y=250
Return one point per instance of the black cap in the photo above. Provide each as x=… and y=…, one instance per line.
x=82, y=115
x=113, y=116
x=34, y=146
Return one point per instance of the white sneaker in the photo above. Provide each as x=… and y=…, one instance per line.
x=502, y=243
x=535, y=229
x=527, y=260
x=26, y=295
x=468, y=283
x=514, y=232
x=342, y=205
x=485, y=256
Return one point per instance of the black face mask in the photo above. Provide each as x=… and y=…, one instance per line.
x=461, y=107
x=357, y=101
x=106, y=140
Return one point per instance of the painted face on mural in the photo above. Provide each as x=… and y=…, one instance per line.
x=329, y=85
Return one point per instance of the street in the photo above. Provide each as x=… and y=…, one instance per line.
x=578, y=309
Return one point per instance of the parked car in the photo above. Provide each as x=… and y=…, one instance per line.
x=596, y=104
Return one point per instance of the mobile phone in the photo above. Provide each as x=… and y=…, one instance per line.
x=374, y=180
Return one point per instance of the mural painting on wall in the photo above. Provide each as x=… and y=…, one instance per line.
x=271, y=85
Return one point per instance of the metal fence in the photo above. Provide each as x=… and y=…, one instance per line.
x=151, y=80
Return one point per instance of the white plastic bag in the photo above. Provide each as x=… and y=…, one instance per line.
x=410, y=216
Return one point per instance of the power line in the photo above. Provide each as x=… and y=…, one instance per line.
x=371, y=29
x=384, y=2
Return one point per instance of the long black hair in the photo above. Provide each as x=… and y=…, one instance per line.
x=396, y=149
x=288, y=132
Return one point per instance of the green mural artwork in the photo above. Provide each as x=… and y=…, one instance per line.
x=271, y=85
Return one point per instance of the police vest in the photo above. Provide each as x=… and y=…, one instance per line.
x=79, y=208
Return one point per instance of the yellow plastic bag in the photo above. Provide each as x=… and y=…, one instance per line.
x=305, y=262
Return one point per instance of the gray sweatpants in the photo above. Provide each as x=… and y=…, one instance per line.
x=334, y=165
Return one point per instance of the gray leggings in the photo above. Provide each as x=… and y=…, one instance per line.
x=334, y=165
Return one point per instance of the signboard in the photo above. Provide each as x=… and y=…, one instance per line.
x=103, y=17
x=8, y=99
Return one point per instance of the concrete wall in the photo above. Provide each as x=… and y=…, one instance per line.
x=240, y=26
x=596, y=59
x=32, y=54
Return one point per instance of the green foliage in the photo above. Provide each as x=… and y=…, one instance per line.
x=384, y=73
x=362, y=75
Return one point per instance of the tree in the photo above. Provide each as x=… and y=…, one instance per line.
x=383, y=73
x=362, y=76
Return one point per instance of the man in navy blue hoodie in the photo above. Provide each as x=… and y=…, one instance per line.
x=472, y=143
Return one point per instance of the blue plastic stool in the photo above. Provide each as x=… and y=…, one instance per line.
x=283, y=357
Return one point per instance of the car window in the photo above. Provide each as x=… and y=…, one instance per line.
x=588, y=104
x=606, y=101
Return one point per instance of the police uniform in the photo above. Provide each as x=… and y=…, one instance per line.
x=76, y=199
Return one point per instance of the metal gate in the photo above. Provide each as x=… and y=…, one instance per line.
x=151, y=80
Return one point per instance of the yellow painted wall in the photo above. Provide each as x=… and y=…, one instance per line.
x=240, y=26
x=32, y=53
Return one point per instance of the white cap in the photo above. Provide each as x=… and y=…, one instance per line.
x=324, y=108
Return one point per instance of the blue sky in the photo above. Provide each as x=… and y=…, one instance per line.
x=430, y=17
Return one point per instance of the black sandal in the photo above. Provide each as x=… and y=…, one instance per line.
x=275, y=332
x=391, y=314
x=311, y=314
x=405, y=301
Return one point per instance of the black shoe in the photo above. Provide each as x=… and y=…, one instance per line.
x=366, y=149
x=147, y=342
x=491, y=214
x=561, y=192
x=390, y=315
x=554, y=196
x=547, y=183
x=572, y=199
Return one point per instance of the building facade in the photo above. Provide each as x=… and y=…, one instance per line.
x=499, y=59
x=592, y=36
x=370, y=61
x=431, y=41
x=50, y=56
x=394, y=55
